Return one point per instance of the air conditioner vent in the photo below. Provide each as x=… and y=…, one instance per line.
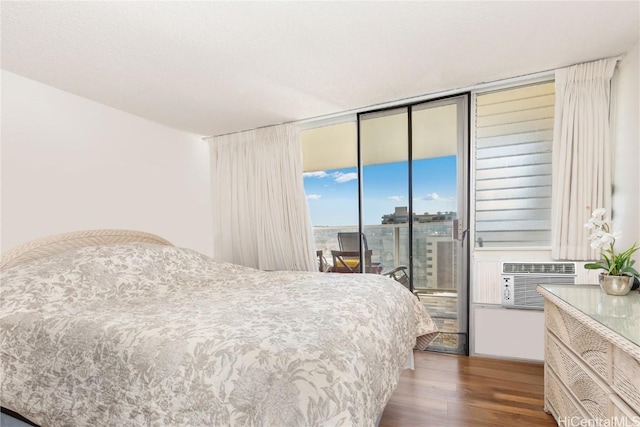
x=520, y=279
x=539, y=268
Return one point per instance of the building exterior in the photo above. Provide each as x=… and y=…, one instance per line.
x=401, y=216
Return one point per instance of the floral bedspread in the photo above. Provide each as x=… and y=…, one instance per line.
x=128, y=335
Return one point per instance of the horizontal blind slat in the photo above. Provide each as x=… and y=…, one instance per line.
x=511, y=172
x=515, y=160
x=516, y=238
x=518, y=182
x=520, y=116
x=517, y=105
x=521, y=92
x=523, y=226
x=522, y=138
x=525, y=203
x=514, y=215
x=512, y=193
x=514, y=150
x=518, y=127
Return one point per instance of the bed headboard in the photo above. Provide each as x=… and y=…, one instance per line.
x=52, y=245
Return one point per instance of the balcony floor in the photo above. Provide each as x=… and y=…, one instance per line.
x=443, y=309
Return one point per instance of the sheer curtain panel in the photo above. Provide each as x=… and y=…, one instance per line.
x=581, y=155
x=260, y=212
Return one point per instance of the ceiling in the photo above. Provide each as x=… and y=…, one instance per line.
x=211, y=68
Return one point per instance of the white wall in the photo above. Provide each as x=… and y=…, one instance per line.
x=626, y=125
x=504, y=333
x=68, y=163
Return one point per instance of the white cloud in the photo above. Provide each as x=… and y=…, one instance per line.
x=396, y=198
x=341, y=178
x=318, y=174
x=313, y=196
x=338, y=177
x=436, y=197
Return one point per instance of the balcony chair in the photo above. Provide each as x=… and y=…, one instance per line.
x=347, y=259
x=349, y=262
x=323, y=265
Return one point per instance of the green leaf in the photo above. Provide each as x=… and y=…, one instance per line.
x=630, y=271
x=594, y=266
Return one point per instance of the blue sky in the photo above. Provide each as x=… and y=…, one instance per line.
x=332, y=195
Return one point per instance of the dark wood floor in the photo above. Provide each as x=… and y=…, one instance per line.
x=446, y=390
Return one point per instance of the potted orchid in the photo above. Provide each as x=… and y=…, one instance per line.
x=618, y=275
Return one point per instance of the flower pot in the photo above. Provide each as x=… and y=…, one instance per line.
x=615, y=285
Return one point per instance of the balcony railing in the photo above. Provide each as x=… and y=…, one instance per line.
x=434, y=252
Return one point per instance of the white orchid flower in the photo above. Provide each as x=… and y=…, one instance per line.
x=603, y=239
x=606, y=239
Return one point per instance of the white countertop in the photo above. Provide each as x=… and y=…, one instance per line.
x=621, y=314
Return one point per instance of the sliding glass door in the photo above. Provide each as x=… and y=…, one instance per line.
x=391, y=186
x=439, y=177
x=413, y=204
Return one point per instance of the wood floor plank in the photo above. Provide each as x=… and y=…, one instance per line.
x=447, y=390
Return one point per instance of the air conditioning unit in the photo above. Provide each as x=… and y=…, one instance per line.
x=519, y=281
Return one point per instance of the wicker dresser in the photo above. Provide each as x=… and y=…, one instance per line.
x=592, y=356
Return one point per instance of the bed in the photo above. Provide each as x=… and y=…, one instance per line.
x=112, y=327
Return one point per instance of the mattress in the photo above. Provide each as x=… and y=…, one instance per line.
x=142, y=334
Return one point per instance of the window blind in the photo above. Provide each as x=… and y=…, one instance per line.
x=513, y=134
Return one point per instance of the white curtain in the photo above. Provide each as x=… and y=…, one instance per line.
x=581, y=155
x=260, y=211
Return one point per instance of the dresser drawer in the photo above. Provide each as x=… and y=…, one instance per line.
x=587, y=389
x=584, y=342
x=562, y=404
x=626, y=378
x=622, y=415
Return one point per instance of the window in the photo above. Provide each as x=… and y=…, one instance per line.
x=329, y=163
x=513, y=134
